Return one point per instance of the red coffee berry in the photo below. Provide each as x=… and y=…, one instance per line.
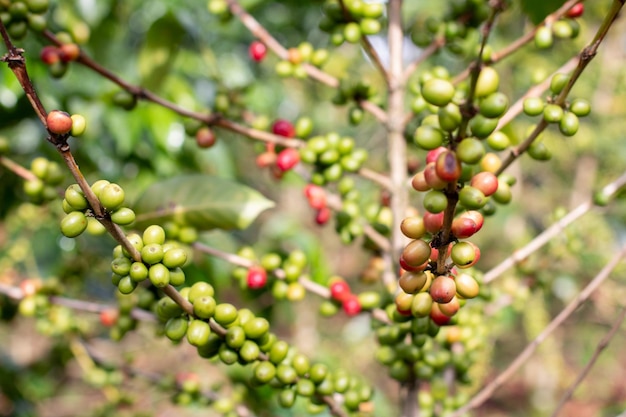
x=577, y=10
x=476, y=216
x=69, y=52
x=49, y=55
x=431, y=177
x=433, y=222
x=316, y=196
x=30, y=286
x=287, y=159
x=442, y=289
x=340, y=290
x=464, y=227
x=486, y=182
x=419, y=182
x=257, y=51
x=351, y=305
x=437, y=316
x=433, y=154
x=109, y=317
x=205, y=137
x=323, y=216
x=283, y=128
x=451, y=308
x=448, y=167
x=256, y=278
x=265, y=159
x=59, y=122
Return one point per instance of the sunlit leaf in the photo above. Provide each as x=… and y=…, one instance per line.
x=202, y=201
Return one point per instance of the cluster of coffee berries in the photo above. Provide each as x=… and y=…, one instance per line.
x=48, y=175
x=342, y=297
x=455, y=26
x=61, y=123
x=316, y=197
x=58, y=58
x=80, y=216
x=221, y=331
x=350, y=20
x=332, y=155
x=304, y=53
x=564, y=28
x=19, y=16
x=161, y=261
x=565, y=117
x=279, y=272
x=280, y=159
x=119, y=319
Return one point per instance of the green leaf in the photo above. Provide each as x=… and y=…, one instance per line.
x=202, y=201
x=537, y=10
x=159, y=49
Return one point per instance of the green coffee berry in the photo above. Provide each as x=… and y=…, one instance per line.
x=73, y=224
x=198, y=333
x=176, y=328
x=177, y=277
x=159, y=275
x=111, y=196
x=204, y=307
x=152, y=253
x=123, y=216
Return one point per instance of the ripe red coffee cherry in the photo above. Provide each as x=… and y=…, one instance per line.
x=109, y=317
x=340, y=290
x=433, y=222
x=316, y=196
x=476, y=216
x=287, y=159
x=442, y=289
x=283, y=128
x=69, y=52
x=451, y=308
x=576, y=11
x=437, y=316
x=351, y=305
x=323, y=216
x=49, y=55
x=265, y=159
x=256, y=277
x=406, y=267
x=257, y=51
x=448, y=167
x=205, y=137
x=431, y=177
x=463, y=227
x=433, y=154
x=486, y=182
x=59, y=122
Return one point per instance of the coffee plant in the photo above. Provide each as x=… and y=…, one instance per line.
x=336, y=207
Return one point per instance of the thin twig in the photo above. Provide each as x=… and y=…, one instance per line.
x=551, y=232
x=486, y=393
x=17, y=169
x=604, y=343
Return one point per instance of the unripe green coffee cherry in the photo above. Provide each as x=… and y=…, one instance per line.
x=286, y=374
x=470, y=151
x=552, y=113
x=494, y=105
x=543, y=37
x=438, y=92
x=498, y=141
x=123, y=216
x=227, y=355
x=111, y=196
x=176, y=328
x=580, y=107
x=97, y=186
x=198, y=333
x=73, y=224
x=225, y=314
x=201, y=289
x=481, y=126
x=539, y=151
x=264, y=372
x=39, y=167
x=352, y=32
x=187, y=234
x=449, y=117
x=558, y=82
x=305, y=387
x=487, y=83
x=428, y=137
x=79, y=124
x=256, y=328
x=235, y=336
x=152, y=253
x=126, y=285
x=533, y=106
x=301, y=364
x=568, y=125
x=204, y=307
x=177, y=277
x=435, y=201
x=159, y=275
x=121, y=265
x=472, y=198
x=369, y=300
x=138, y=271
x=76, y=198
x=249, y=351
x=154, y=234
x=287, y=397
x=94, y=227
x=175, y=258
